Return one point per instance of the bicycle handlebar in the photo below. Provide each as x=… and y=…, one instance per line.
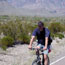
x=37, y=49
x=41, y=53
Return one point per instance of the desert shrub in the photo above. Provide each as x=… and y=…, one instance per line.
x=11, y=29
x=26, y=29
x=7, y=29
x=15, y=29
x=57, y=35
x=4, y=47
x=56, y=27
x=7, y=41
x=25, y=38
x=52, y=35
x=60, y=35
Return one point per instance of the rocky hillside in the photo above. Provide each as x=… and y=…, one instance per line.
x=33, y=7
x=47, y=4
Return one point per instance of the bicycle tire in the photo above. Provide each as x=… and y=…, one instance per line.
x=36, y=63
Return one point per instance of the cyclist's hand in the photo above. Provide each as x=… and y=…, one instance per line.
x=37, y=47
x=30, y=47
x=45, y=48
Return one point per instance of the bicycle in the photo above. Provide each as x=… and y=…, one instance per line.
x=38, y=60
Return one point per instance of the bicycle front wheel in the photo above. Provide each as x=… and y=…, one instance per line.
x=35, y=62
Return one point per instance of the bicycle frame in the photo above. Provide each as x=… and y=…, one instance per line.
x=38, y=59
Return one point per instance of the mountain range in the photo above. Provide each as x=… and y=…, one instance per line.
x=32, y=7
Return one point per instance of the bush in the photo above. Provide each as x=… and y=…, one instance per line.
x=24, y=38
x=57, y=35
x=4, y=47
x=56, y=27
x=60, y=36
x=7, y=41
x=52, y=35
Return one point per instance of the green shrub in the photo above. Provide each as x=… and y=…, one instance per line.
x=4, y=47
x=56, y=27
x=60, y=36
x=52, y=35
x=7, y=41
x=24, y=38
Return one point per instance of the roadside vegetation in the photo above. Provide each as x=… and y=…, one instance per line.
x=16, y=28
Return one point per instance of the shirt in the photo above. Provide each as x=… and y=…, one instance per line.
x=41, y=35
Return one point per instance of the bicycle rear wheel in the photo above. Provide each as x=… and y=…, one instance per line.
x=36, y=62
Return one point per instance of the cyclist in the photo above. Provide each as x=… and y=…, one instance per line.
x=43, y=37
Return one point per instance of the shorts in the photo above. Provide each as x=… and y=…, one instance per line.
x=45, y=51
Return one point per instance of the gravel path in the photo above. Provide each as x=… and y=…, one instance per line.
x=21, y=55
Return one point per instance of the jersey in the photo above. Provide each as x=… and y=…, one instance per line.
x=41, y=35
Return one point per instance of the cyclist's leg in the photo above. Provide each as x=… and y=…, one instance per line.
x=45, y=59
x=45, y=56
x=38, y=46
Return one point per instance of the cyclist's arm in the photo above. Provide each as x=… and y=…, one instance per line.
x=32, y=39
x=46, y=42
x=47, y=33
